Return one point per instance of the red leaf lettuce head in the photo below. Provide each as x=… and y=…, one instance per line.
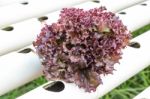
x=81, y=46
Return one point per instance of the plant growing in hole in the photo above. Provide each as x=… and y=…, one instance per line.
x=81, y=46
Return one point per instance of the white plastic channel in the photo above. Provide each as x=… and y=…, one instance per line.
x=144, y=95
x=133, y=61
x=117, y=5
x=18, y=12
x=12, y=66
x=25, y=32
x=7, y=2
x=37, y=8
x=18, y=69
x=138, y=14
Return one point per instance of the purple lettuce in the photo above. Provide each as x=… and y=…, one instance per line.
x=82, y=46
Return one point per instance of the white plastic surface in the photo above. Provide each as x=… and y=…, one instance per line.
x=144, y=95
x=133, y=61
x=17, y=69
x=36, y=8
x=7, y=2
x=25, y=32
x=117, y=5
x=139, y=14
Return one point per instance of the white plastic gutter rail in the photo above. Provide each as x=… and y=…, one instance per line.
x=8, y=2
x=117, y=5
x=36, y=8
x=18, y=68
x=29, y=62
x=25, y=32
x=33, y=8
x=133, y=61
x=144, y=95
x=138, y=14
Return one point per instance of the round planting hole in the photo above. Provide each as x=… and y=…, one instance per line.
x=134, y=45
x=9, y=28
x=96, y=1
x=123, y=13
x=25, y=3
x=27, y=50
x=43, y=18
x=144, y=4
x=56, y=86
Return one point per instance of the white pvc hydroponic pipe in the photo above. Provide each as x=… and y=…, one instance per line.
x=37, y=8
x=144, y=95
x=7, y=2
x=18, y=12
x=133, y=61
x=117, y=5
x=35, y=68
x=25, y=32
x=138, y=14
x=18, y=68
